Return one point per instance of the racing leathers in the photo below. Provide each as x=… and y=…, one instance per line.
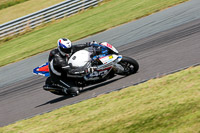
x=59, y=67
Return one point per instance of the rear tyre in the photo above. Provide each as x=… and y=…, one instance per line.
x=130, y=66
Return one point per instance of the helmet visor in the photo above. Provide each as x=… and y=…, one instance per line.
x=65, y=50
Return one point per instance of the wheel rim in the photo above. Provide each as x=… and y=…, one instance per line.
x=128, y=67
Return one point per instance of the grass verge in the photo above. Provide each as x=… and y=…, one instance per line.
x=22, y=9
x=86, y=23
x=167, y=104
x=8, y=3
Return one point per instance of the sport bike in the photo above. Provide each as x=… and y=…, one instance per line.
x=103, y=57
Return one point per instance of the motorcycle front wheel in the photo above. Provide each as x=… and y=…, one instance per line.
x=130, y=66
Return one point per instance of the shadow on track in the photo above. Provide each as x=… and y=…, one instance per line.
x=100, y=84
x=59, y=99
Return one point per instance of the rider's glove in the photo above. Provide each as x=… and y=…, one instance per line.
x=88, y=44
x=93, y=43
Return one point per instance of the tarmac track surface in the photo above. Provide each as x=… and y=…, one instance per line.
x=158, y=54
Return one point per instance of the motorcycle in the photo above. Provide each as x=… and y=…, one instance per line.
x=107, y=65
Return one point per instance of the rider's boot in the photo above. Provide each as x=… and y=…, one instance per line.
x=73, y=91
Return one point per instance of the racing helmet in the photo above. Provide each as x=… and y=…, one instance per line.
x=64, y=46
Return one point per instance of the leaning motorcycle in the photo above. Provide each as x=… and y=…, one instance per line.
x=107, y=66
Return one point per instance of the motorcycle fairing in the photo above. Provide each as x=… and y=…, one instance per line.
x=109, y=46
x=107, y=59
x=99, y=74
x=42, y=70
x=104, y=69
x=80, y=58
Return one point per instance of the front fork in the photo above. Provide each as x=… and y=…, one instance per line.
x=118, y=67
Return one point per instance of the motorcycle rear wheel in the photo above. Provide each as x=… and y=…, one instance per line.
x=130, y=66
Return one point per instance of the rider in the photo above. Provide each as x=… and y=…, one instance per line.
x=59, y=67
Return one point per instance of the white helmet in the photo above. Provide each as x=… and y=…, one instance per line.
x=64, y=46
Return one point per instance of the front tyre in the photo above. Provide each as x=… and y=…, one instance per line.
x=130, y=66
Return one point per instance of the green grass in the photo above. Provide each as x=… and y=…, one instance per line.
x=8, y=3
x=86, y=23
x=167, y=104
x=21, y=9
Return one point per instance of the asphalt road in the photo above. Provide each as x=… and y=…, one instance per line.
x=118, y=36
x=159, y=50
